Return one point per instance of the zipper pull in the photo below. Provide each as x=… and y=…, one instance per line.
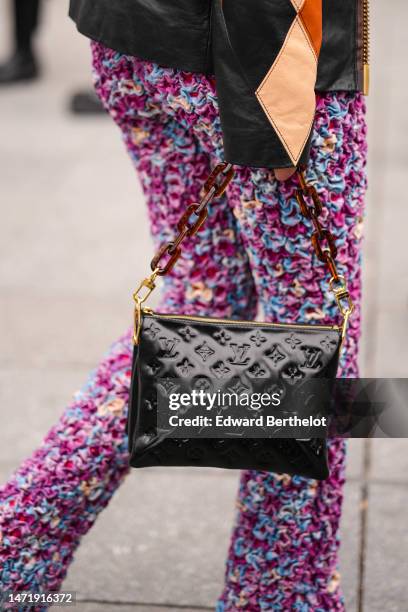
x=366, y=79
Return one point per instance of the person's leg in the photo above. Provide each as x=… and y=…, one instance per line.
x=56, y=494
x=22, y=65
x=173, y=140
x=26, y=14
x=283, y=553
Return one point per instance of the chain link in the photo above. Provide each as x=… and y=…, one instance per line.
x=324, y=245
x=188, y=225
x=193, y=218
x=323, y=241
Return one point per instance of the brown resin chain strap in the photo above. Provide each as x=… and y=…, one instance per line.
x=196, y=214
x=324, y=244
x=188, y=225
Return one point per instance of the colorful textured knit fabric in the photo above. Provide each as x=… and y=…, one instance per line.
x=254, y=252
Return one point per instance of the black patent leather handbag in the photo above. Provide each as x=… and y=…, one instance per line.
x=170, y=348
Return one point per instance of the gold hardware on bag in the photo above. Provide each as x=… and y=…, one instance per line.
x=199, y=319
x=343, y=301
x=147, y=285
x=137, y=321
x=323, y=242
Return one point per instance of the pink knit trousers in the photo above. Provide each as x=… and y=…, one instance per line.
x=253, y=252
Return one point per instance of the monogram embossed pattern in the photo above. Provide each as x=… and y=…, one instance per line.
x=242, y=355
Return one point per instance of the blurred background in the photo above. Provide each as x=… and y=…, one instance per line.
x=74, y=241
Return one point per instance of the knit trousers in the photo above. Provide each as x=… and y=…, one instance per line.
x=253, y=253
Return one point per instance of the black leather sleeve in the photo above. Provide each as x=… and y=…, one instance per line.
x=249, y=138
x=174, y=34
x=338, y=64
x=237, y=40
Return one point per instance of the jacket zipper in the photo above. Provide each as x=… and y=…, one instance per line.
x=366, y=47
x=150, y=312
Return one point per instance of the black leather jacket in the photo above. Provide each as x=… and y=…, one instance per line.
x=268, y=57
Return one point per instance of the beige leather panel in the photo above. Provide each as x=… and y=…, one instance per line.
x=298, y=4
x=287, y=92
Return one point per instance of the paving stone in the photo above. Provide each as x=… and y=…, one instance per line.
x=58, y=331
x=162, y=533
x=35, y=403
x=91, y=235
x=355, y=455
x=391, y=357
x=392, y=275
x=82, y=606
x=387, y=101
x=178, y=533
x=385, y=585
x=389, y=460
x=349, y=547
x=77, y=222
x=389, y=39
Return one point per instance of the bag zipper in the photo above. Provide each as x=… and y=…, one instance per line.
x=366, y=46
x=160, y=315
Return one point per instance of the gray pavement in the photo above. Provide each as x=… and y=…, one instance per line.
x=74, y=239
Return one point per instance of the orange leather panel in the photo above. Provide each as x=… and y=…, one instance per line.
x=311, y=15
